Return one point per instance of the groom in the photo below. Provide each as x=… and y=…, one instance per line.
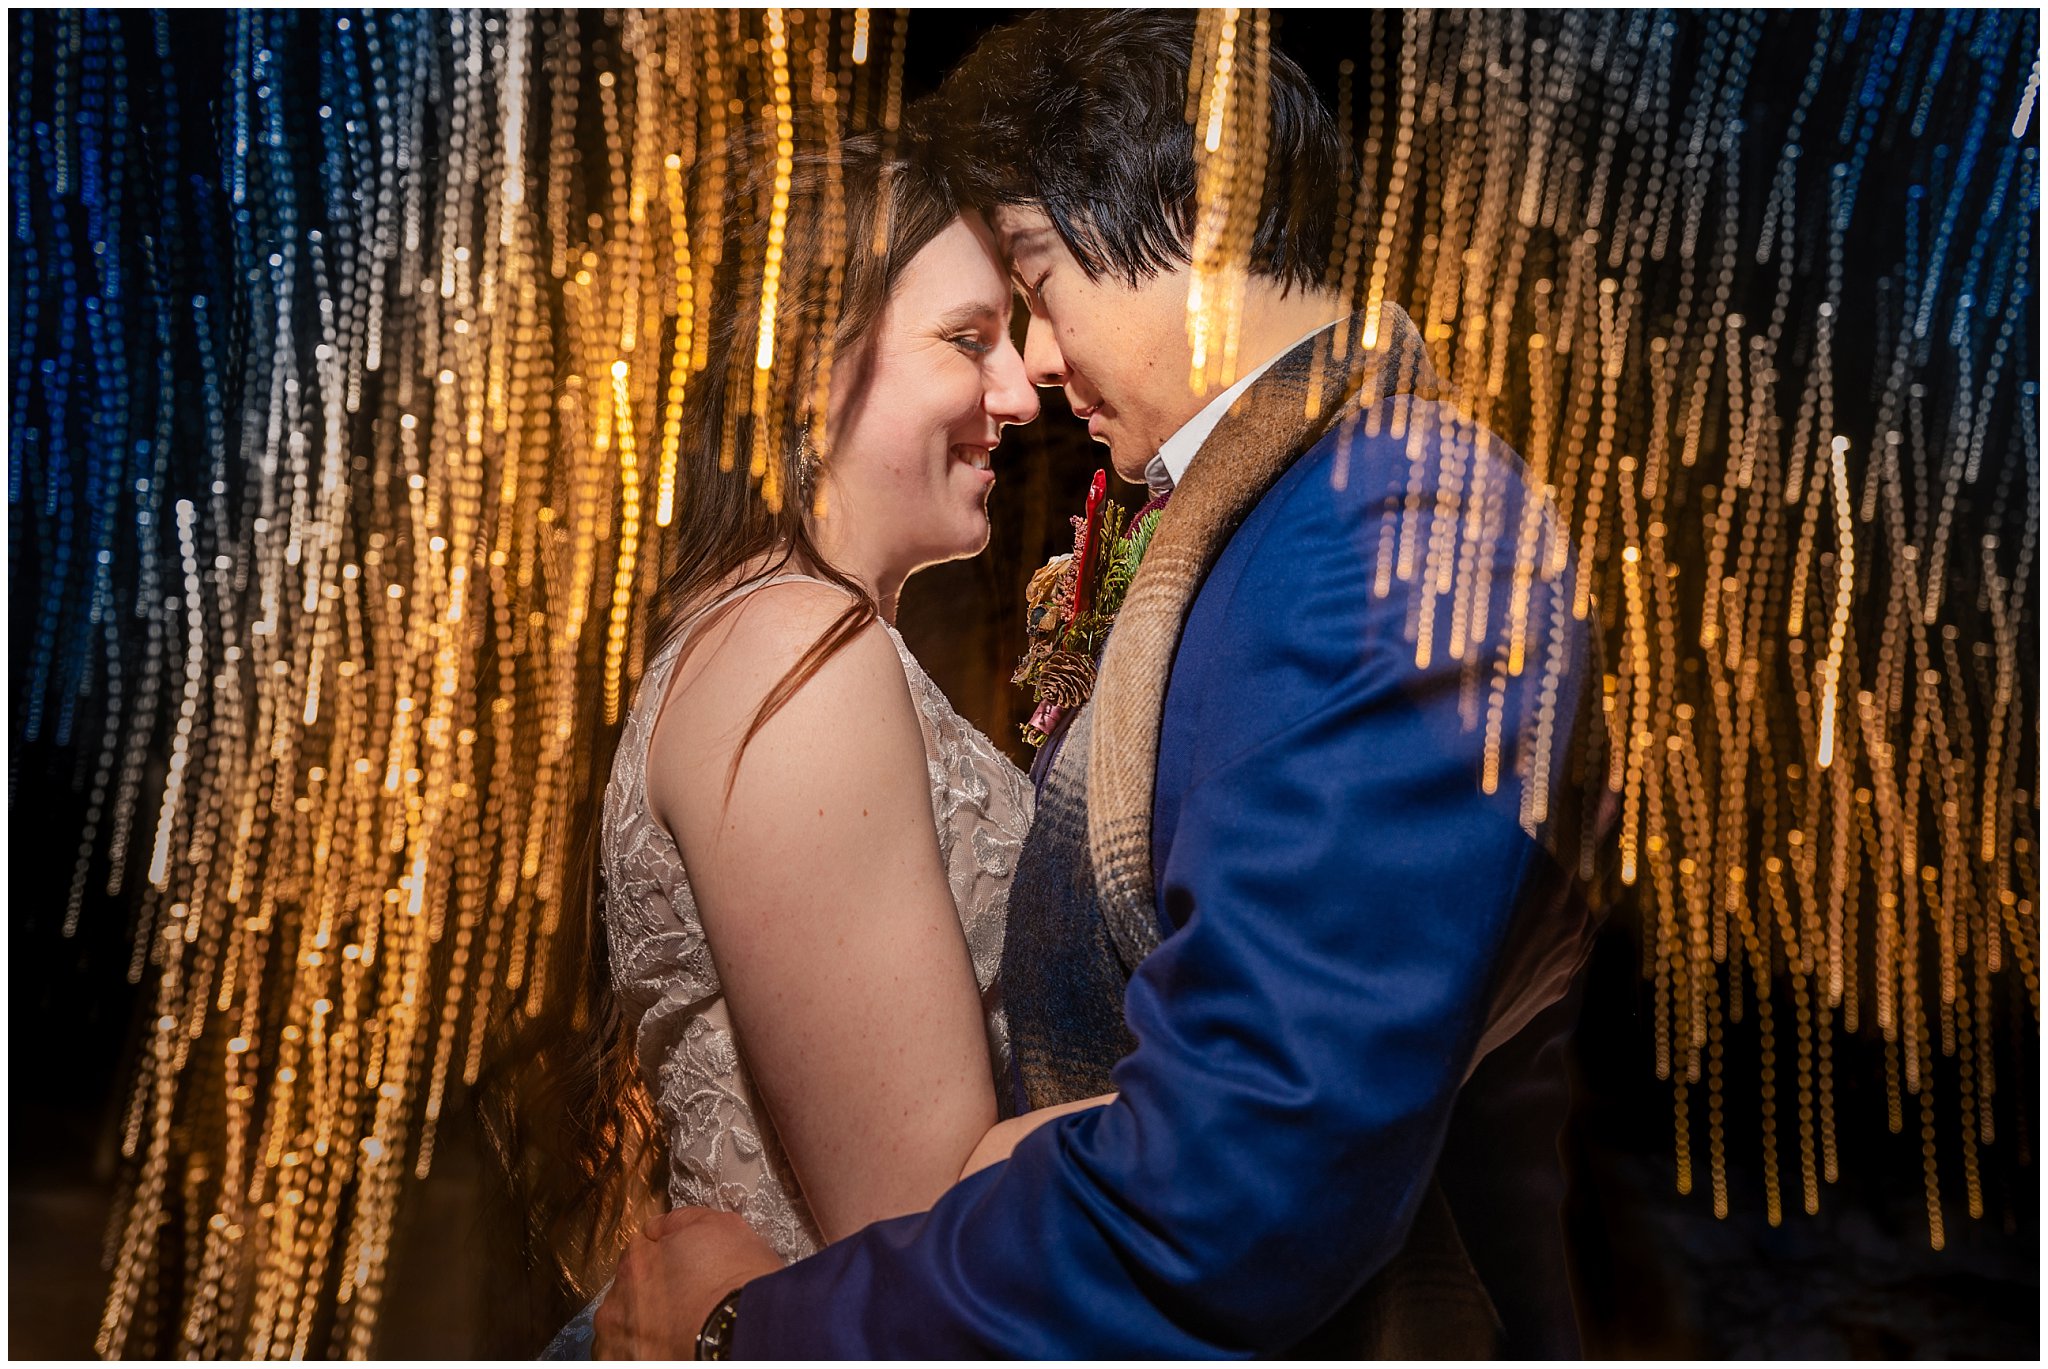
x=1268, y=898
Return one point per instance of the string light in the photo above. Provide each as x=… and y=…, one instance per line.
x=364, y=654
x=1229, y=107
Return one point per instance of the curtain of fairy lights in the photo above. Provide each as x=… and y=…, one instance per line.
x=347, y=363
x=345, y=430
x=1755, y=298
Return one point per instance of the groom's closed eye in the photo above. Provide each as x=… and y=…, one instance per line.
x=1028, y=279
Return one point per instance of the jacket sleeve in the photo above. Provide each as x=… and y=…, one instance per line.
x=1341, y=889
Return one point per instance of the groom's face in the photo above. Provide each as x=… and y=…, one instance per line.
x=1120, y=352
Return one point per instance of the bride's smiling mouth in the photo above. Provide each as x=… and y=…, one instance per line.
x=981, y=458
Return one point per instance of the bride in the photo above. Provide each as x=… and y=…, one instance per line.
x=805, y=851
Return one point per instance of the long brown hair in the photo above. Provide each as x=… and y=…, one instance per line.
x=562, y=1099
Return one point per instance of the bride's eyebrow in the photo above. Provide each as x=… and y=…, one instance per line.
x=965, y=315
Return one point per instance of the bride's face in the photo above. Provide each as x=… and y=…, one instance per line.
x=909, y=472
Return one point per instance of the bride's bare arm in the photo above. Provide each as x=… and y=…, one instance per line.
x=828, y=915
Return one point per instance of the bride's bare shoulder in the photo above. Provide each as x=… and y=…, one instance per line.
x=750, y=646
x=855, y=707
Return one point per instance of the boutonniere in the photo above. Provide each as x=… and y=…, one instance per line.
x=1070, y=605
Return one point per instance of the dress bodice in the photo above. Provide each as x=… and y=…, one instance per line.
x=722, y=1148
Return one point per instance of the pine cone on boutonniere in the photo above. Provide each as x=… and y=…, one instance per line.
x=1070, y=605
x=1066, y=679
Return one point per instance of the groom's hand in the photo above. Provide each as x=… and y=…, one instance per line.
x=670, y=1278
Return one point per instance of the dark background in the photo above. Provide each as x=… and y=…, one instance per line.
x=1656, y=1273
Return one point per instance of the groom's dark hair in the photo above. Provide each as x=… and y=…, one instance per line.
x=1082, y=113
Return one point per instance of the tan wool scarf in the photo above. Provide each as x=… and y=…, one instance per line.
x=1286, y=411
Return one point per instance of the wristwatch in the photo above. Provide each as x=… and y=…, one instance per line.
x=715, y=1340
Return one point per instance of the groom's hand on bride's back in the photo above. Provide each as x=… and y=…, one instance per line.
x=671, y=1277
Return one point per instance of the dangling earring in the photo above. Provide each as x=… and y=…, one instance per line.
x=806, y=464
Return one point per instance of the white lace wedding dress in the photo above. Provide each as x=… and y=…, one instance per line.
x=721, y=1143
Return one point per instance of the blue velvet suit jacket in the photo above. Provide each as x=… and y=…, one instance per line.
x=1336, y=895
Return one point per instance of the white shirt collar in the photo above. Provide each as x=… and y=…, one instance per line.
x=1170, y=466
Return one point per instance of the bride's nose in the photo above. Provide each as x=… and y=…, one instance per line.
x=1009, y=397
